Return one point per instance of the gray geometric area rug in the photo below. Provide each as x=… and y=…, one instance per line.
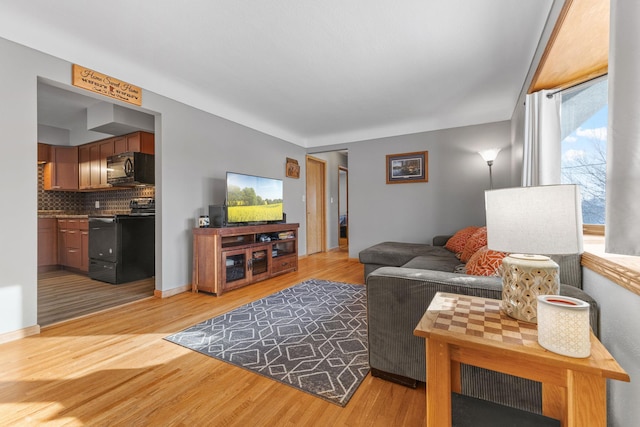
x=312, y=336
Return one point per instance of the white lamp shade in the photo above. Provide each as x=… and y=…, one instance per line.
x=489, y=155
x=535, y=220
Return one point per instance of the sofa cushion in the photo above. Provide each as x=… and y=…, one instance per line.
x=456, y=243
x=395, y=254
x=485, y=262
x=434, y=262
x=477, y=240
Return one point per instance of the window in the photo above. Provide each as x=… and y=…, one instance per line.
x=583, y=121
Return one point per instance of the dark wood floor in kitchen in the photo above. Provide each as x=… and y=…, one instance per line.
x=63, y=295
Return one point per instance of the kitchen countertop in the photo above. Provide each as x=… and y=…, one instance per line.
x=63, y=214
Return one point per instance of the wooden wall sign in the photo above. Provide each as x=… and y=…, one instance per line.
x=105, y=85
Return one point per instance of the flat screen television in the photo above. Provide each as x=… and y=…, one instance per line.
x=253, y=199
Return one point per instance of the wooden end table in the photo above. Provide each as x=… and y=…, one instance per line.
x=472, y=330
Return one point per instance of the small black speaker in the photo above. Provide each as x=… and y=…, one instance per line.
x=218, y=216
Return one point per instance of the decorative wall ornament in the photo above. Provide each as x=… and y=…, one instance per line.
x=293, y=168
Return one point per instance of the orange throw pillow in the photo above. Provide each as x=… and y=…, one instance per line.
x=485, y=262
x=477, y=240
x=457, y=242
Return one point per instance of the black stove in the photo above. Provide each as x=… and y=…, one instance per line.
x=122, y=246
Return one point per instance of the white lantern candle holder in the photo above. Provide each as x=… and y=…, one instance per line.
x=563, y=325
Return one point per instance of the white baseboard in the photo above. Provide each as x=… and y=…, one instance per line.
x=172, y=292
x=19, y=334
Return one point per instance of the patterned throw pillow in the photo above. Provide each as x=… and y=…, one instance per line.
x=485, y=262
x=456, y=243
x=477, y=240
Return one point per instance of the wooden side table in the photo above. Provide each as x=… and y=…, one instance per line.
x=472, y=330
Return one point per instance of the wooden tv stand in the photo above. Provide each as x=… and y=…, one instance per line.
x=231, y=257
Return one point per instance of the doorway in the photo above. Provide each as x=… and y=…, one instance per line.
x=315, y=189
x=64, y=289
x=343, y=208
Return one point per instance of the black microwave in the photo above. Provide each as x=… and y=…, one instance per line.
x=131, y=169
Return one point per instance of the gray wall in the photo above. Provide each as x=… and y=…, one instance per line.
x=619, y=320
x=193, y=152
x=196, y=149
x=415, y=212
x=18, y=220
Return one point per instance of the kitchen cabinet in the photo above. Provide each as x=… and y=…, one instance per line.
x=62, y=241
x=141, y=142
x=71, y=251
x=44, y=152
x=99, y=160
x=47, y=243
x=120, y=145
x=61, y=172
x=84, y=167
x=231, y=257
x=93, y=164
x=84, y=245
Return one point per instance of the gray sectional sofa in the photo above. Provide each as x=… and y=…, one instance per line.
x=402, y=279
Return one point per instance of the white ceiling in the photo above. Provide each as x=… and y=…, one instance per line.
x=308, y=71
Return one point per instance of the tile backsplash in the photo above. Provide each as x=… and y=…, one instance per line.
x=84, y=203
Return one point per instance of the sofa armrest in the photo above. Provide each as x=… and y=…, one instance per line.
x=398, y=297
x=440, y=240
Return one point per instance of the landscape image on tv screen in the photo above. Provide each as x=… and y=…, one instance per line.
x=253, y=198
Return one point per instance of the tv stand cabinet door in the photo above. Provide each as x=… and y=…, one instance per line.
x=234, y=266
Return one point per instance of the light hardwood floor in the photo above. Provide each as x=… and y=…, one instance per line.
x=114, y=368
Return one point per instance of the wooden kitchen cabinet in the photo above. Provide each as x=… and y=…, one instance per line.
x=71, y=251
x=47, y=244
x=84, y=166
x=84, y=245
x=61, y=172
x=120, y=144
x=142, y=142
x=232, y=257
x=93, y=164
x=62, y=241
x=44, y=152
x=99, y=156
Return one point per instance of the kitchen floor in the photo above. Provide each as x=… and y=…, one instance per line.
x=63, y=295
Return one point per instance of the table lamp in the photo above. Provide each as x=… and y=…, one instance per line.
x=531, y=223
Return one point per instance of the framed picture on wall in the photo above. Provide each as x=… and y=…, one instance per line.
x=293, y=168
x=408, y=167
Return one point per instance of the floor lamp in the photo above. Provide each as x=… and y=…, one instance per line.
x=489, y=156
x=525, y=222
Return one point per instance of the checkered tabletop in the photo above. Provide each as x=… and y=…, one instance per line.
x=480, y=317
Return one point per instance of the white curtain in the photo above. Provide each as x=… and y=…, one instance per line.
x=542, y=153
x=622, y=223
